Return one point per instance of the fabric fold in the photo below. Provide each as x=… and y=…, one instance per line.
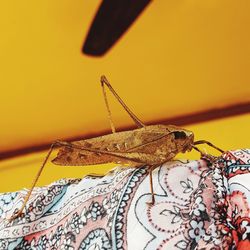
x=198, y=205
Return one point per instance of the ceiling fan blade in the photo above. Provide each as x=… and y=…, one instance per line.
x=112, y=19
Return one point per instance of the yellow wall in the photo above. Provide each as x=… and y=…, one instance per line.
x=179, y=57
x=230, y=133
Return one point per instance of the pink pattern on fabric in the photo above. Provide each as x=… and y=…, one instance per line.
x=198, y=205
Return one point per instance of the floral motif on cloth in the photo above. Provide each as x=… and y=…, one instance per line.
x=198, y=205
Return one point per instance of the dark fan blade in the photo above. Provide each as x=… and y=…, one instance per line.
x=112, y=19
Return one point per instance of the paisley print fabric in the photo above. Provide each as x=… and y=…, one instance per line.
x=199, y=205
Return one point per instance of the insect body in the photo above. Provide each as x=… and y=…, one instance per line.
x=149, y=145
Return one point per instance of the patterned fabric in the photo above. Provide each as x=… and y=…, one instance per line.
x=198, y=205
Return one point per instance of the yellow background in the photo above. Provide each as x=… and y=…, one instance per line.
x=178, y=58
x=17, y=173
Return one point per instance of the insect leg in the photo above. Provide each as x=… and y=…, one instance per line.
x=151, y=185
x=53, y=145
x=209, y=144
x=19, y=212
x=151, y=168
x=95, y=175
x=197, y=149
x=137, y=121
x=108, y=109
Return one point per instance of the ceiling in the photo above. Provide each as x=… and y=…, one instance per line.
x=178, y=58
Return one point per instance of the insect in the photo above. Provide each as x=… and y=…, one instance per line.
x=148, y=145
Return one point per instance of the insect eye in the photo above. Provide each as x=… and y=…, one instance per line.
x=179, y=135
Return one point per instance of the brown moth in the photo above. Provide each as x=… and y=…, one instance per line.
x=149, y=145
